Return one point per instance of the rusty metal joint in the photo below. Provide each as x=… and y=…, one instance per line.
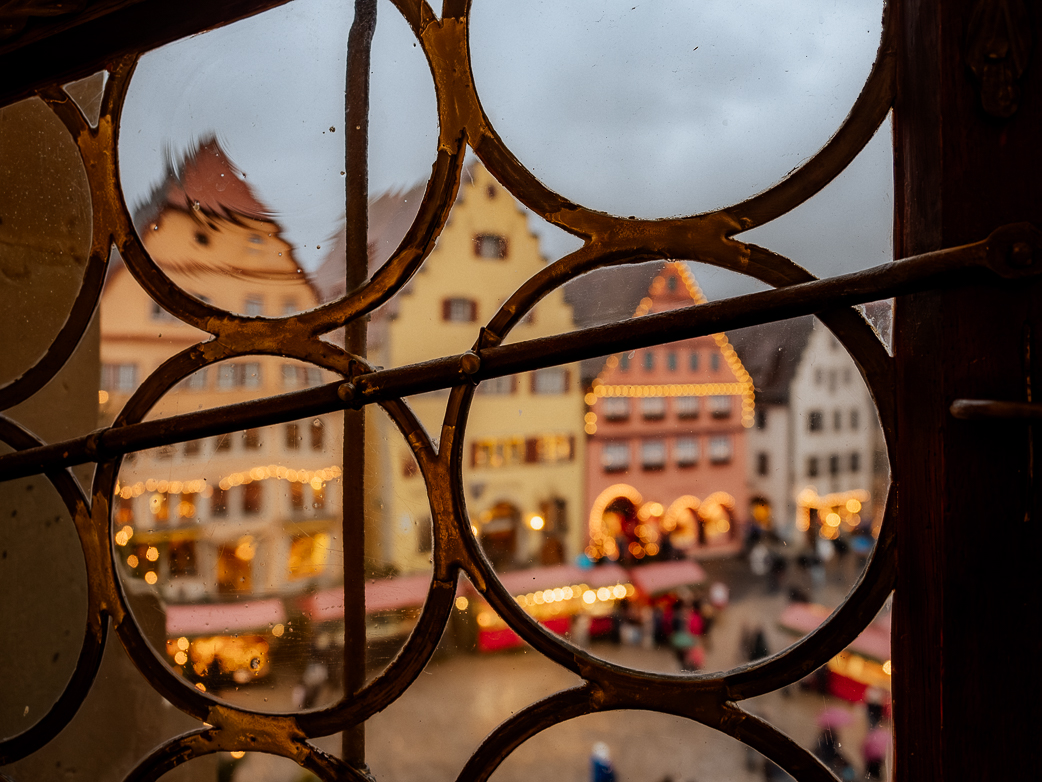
x=469, y=365
x=1015, y=251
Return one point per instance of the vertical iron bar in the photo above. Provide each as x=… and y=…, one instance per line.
x=356, y=132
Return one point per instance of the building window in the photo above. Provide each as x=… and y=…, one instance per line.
x=855, y=419
x=616, y=408
x=202, y=239
x=761, y=418
x=318, y=498
x=318, y=435
x=181, y=558
x=719, y=406
x=234, y=566
x=812, y=466
x=837, y=420
x=251, y=438
x=819, y=376
x=226, y=376
x=714, y=361
x=685, y=452
x=238, y=375
x=624, y=362
x=313, y=376
x=159, y=504
x=552, y=380
x=187, y=507
x=124, y=510
x=846, y=376
x=223, y=442
x=855, y=462
x=550, y=448
x=649, y=360
x=251, y=375
x=292, y=437
x=653, y=407
x=296, y=496
x=815, y=421
x=833, y=377
x=252, y=498
x=671, y=357
x=671, y=284
x=762, y=463
x=193, y=448
x=308, y=555
x=497, y=385
x=498, y=452
x=290, y=306
x=254, y=306
x=491, y=246
x=119, y=377
x=653, y=454
x=693, y=360
x=459, y=310
x=218, y=503
x=686, y=406
x=615, y=457
x=196, y=381
x=721, y=449
x=290, y=376
x=834, y=464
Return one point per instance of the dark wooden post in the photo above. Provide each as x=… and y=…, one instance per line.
x=966, y=643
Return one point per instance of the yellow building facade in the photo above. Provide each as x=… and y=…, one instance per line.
x=523, y=463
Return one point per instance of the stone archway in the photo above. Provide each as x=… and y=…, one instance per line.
x=613, y=517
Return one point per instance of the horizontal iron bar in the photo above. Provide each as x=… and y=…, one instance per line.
x=892, y=279
x=980, y=409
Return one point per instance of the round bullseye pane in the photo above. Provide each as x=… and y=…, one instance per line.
x=45, y=230
x=685, y=507
x=233, y=172
x=668, y=108
x=44, y=584
x=237, y=544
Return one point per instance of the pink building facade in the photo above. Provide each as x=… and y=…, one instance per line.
x=666, y=458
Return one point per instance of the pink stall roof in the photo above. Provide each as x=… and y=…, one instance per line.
x=223, y=618
x=874, y=641
x=519, y=582
x=381, y=594
x=658, y=577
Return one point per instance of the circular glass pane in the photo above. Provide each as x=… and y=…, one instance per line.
x=45, y=230
x=44, y=583
x=669, y=108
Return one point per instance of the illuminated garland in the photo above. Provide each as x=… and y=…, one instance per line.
x=744, y=387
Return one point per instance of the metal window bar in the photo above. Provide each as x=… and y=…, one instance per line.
x=710, y=699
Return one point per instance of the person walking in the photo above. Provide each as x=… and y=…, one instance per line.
x=601, y=769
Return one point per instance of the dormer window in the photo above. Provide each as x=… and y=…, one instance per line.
x=492, y=246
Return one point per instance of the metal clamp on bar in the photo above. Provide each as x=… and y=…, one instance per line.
x=980, y=409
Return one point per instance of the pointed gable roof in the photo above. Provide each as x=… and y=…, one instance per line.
x=674, y=287
x=204, y=179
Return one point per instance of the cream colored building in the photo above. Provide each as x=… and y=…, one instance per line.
x=524, y=449
x=251, y=514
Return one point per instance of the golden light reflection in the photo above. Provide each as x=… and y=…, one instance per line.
x=246, y=549
x=536, y=522
x=462, y=603
x=151, y=577
x=132, y=560
x=278, y=630
x=152, y=554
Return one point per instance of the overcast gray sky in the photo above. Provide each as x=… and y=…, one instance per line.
x=637, y=108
